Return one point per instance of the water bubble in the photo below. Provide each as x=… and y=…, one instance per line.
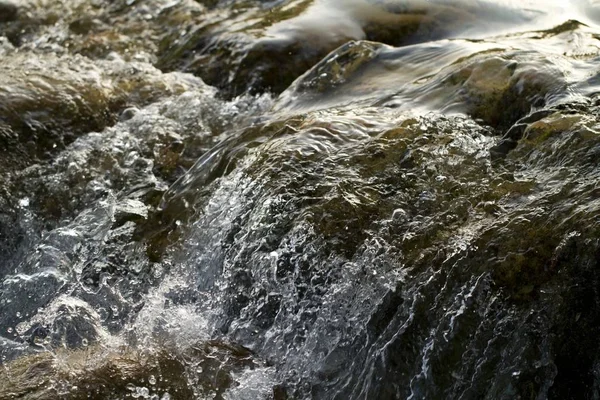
x=84, y=343
x=103, y=313
x=157, y=271
x=152, y=380
x=399, y=214
x=128, y=113
x=141, y=392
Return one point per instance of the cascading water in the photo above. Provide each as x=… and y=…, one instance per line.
x=299, y=199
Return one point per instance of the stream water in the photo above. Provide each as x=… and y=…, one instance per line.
x=299, y=199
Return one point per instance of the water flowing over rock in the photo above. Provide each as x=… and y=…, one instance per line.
x=299, y=199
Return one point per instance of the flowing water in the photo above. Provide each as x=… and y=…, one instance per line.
x=299, y=199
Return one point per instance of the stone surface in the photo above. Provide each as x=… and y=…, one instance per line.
x=8, y=11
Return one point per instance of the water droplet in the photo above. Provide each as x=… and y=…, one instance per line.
x=152, y=380
x=84, y=342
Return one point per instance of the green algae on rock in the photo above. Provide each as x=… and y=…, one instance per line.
x=265, y=49
x=48, y=102
x=109, y=373
x=498, y=80
x=423, y=191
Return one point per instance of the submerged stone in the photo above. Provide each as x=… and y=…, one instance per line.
x=125, y=372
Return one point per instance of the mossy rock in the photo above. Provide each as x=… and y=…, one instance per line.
x=267, y=49
x=244, y=57
x=100, y=30
x=47, y=104
x=206, y=368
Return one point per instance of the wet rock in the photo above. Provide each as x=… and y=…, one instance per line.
x=493, y=244
x=97, y=30
x=85, y=25
x=493, y=81
x=127, y=167
x=5, y=46
x=23, y=295
x=130, y=210
x=355, y=235
x=11, y=238
x=124, y=372
x=338, y=67
x=262, y=47
x=266, y=49
x=47, y=104
x=8, y=11
x=257, y=60
x=502, y=90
